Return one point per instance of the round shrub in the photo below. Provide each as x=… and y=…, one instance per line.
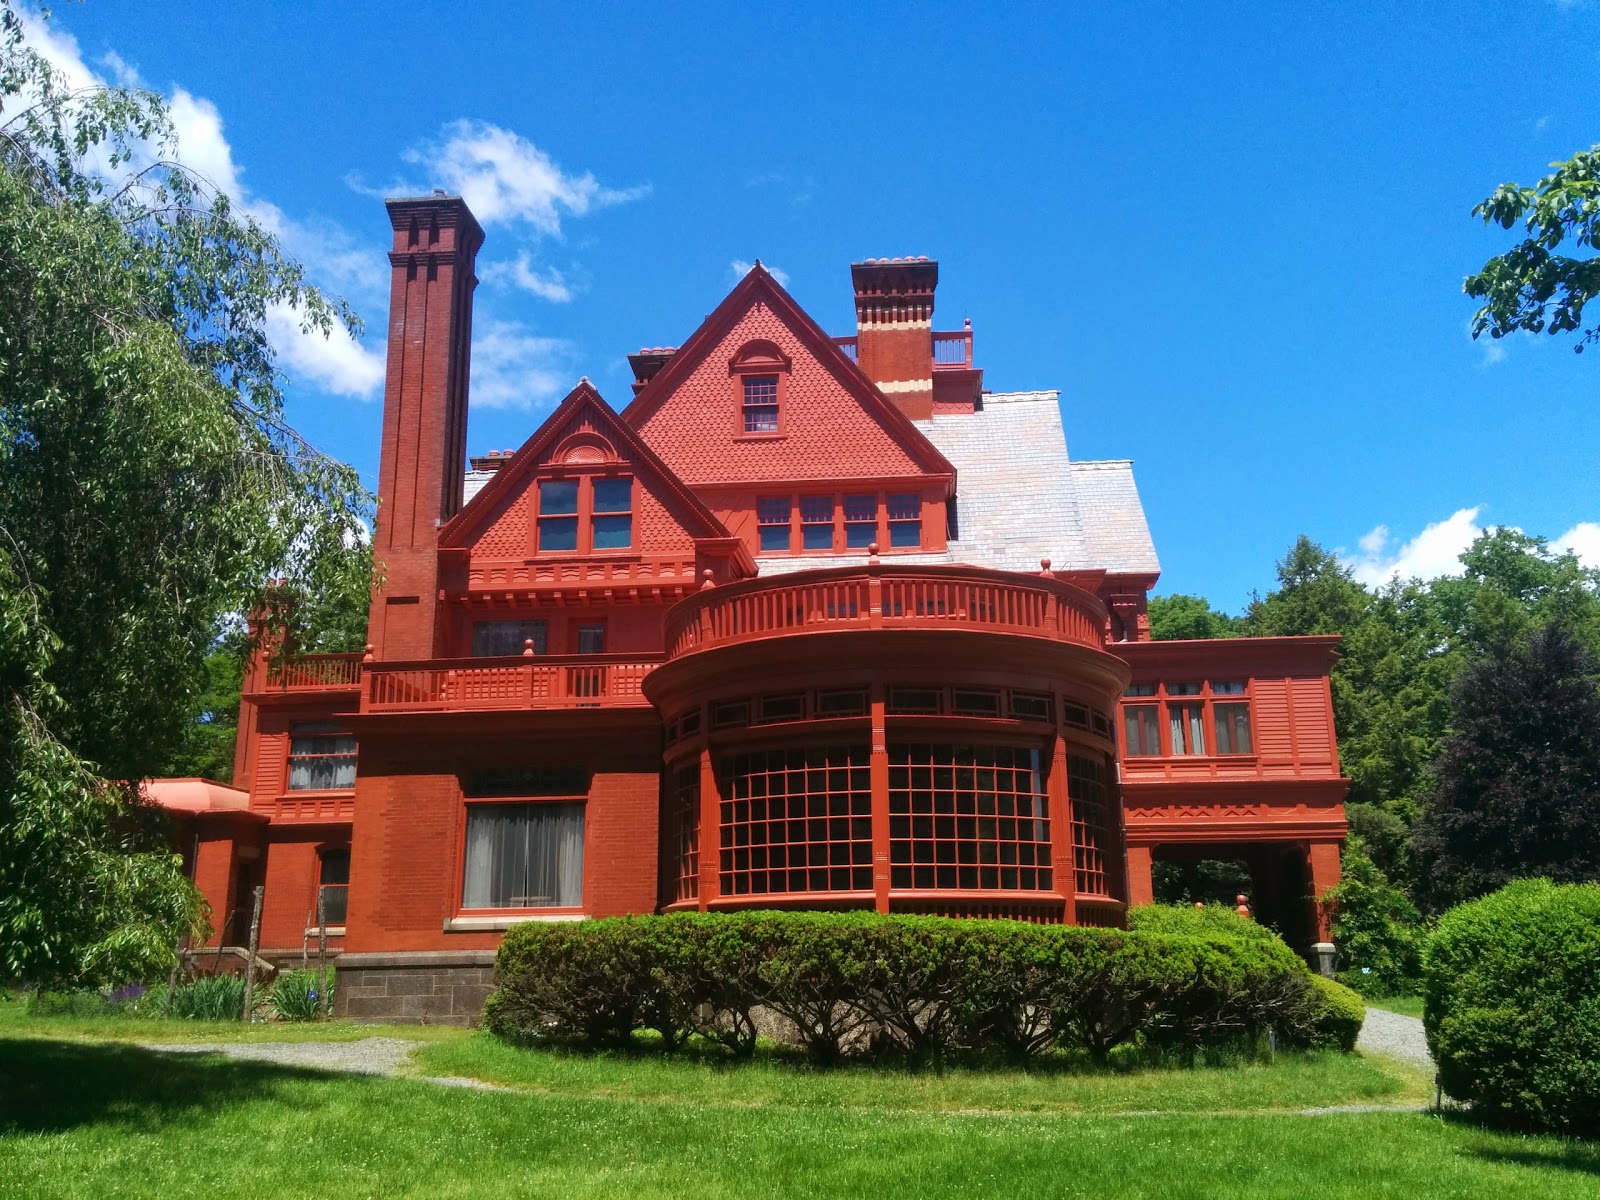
x=1333, y=1017
x=1512, y=1005
x=296, y=995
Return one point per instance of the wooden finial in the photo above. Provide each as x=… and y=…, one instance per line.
x=1044, y=566
x=709, y=583
x=366, y=653
x=1243, y=908
x=527, y=647
x=872, y=553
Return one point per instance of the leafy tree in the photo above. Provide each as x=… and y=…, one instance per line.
x=213, y=727
x=1532, y=286
x=1518, y=783
x=149, y=487
x=1316, y=594
x=1376, y=928
x=1179, y=616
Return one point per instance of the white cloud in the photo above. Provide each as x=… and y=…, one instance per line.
x=1434, y=552
x=549, y=284
x=504, y=177
x=336, y=363
x=1583, y=539
x=513, y=368
x=740, y=268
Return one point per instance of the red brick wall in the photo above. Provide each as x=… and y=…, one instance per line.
x=293, y=872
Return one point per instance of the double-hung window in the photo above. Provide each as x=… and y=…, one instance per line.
x=613, y=514
x=772, y=517
x=860, y=521
x=1230, y=713
x=558, y=515
x=816, y=522
x=1141, y=723
x=761, y=404
x=1186, y=719
x=333, y=885
x=905, y=519
x=321, y=757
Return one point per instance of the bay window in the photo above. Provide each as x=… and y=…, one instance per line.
x=1210, y=718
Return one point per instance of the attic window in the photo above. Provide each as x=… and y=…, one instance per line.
x=761, y=404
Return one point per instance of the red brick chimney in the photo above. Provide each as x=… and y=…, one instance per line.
x=894, y=329
x=436, y=240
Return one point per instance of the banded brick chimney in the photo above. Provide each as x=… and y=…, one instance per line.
x=894, y=329
x=424, y=448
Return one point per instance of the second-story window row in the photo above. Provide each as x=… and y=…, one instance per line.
x=832, y=522
x=1200, y=717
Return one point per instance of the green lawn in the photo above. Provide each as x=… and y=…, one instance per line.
x=1291, y=1082
x=15, y=1022
x=1406, y=1006
x=79, y=1119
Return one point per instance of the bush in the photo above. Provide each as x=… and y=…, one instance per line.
x=1214, y=920
x=1378, y=931
x=296, y=997
x=1334, y=1016
x=917, y=986
x=1512, y=1005
x=208, y=998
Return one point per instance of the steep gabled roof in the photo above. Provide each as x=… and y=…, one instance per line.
x=460, y=530
x=759, y=286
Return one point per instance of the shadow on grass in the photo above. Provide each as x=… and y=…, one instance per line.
x=53, y=1086
x=1533, y=1150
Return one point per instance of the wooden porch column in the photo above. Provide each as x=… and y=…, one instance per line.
x=1323, y=858
x=1066, y=869
x=1141, y=888
x=710, y=830
x=878, y=763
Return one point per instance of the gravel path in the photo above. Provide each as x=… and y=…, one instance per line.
x=369, y=1056
x=1394, y=1036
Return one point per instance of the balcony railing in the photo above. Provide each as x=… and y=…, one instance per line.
x=886, y=598
x=307, y=672
x=952, y=351
x=578, y=681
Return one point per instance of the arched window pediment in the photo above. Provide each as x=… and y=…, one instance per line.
x=759, y=355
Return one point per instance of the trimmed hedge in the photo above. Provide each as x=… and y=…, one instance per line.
x=858, y=982
x=1214, y=920
x=1512, y=1005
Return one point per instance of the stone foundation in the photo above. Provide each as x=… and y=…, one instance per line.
x=445, y=987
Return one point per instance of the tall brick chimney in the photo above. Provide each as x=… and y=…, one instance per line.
x=436, y=240
x=894, y=329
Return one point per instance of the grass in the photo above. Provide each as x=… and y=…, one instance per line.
x=1289, y=1083
x=81, y=1119
x=1406, y=1006
x=17, y=1022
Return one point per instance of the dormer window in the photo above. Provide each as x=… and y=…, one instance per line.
x=760, y=375
x=613, y=514
x=761, y=404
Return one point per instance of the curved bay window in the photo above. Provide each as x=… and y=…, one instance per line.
x=796, y=820
x=1091, y=822
x=969, y=817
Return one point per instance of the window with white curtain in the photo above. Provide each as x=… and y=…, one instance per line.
x=321, y=757
x=1188, y=727
x=524, y=856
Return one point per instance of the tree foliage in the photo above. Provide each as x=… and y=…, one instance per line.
x=149, y=488
x=1533, y=286
x=1179, y=616
x=1518, y=783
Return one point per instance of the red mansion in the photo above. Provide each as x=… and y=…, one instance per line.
x=814, y=621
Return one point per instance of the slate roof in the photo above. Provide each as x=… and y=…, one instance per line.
x=1019, y=498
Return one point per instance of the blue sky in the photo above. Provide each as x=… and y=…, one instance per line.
x=1233, y=236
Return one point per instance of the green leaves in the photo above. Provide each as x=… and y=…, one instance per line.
x=1530, y=286
x=149, y=490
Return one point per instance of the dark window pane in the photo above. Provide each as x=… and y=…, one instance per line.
x=613, y=533
x=905, y=533
x=558, y=497
x=591, y=639
x=495, y=638
x=335, y=866
x=613, y=495
x=558, y=533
